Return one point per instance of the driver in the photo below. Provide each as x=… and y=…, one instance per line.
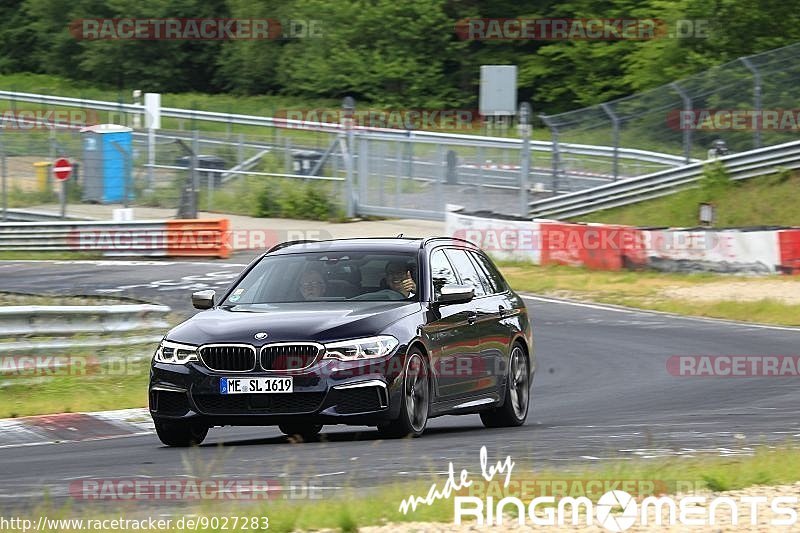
x=312, y=284
x=398, y=277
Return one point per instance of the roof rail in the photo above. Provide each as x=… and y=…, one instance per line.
x=426, y=240
x=289, y=243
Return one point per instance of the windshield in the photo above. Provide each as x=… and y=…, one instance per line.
x=329, y=276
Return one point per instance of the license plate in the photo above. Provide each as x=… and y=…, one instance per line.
x=255, y=385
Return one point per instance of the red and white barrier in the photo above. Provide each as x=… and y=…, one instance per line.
x=615, y=247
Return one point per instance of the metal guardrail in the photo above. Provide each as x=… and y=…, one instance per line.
x=56, y=327
x=371, y=132
x=739, y=166
x=205, y=237
x=40, y=320
x=30, y=215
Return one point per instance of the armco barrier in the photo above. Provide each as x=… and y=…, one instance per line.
x=166, y=238
x=614, y=247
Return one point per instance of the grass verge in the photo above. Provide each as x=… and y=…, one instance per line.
x=350, y=509
x=764, y=201
x=24, y=255
x=92, y=381
x=650, y=290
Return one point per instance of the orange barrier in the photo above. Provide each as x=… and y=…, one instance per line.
x=789, y=245
x=199, y=237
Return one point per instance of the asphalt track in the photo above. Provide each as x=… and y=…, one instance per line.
x=602, y=391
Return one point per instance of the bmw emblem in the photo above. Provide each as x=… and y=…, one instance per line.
x=261, y=335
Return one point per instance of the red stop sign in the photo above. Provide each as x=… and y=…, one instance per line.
x=62, y=169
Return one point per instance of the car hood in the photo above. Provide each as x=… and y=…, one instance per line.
x=307, y=321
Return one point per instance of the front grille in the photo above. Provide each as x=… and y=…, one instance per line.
x=289, y=356
x=169, y=403
x=359, y=400
x=297, y=402
x=231, y=358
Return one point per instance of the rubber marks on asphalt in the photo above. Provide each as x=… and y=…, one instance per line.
x=73, y=427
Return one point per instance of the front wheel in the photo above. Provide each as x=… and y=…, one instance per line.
x=415, y=400
x=515, y=407
x=180, y=434
x=305, y=431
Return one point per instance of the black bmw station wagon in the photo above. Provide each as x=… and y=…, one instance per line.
x=384, y=332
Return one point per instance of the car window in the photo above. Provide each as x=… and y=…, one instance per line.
x=492, y=276
x=328, y=276
x=466, y=270
x=441, y=272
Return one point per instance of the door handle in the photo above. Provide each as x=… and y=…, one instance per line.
x=504, y=312
x=472, y=317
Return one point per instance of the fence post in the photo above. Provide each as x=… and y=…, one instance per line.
x=525, y=164
x=615, y=134
x=687, y=132
x=756, y=99
x=555, y=158
x=348, y=107
x=194, y=176
x=363, y=167
x=4, y=175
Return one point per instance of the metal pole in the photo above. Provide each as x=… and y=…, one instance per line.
x=63, y=199
x=348, y=107
x=555, y=154
x=615, y=133
x=756, y=99
x=687, y=132
x=525, y=164
x=194, y=176
x=363, y=167
x=4, y=176
x=151, y=156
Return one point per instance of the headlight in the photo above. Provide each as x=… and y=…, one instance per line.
x=357, y=349
x=172, y=352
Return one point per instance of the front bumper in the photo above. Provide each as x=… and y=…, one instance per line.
x=329, y=392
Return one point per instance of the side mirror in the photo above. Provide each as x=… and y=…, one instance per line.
x=203, y=299
x=453, y=293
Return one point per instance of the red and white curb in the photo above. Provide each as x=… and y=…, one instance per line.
x=74, y=427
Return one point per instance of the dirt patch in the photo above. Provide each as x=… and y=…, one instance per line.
x=782, y=290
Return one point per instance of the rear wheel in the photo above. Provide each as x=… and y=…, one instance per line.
x=305, y=431
x=515, y=407
x=415, y=399
x=180, y=433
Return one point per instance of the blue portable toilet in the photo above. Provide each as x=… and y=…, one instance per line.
x=107, y=163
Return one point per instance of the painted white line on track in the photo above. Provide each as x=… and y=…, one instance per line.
x=621, y=309
x=330, y=474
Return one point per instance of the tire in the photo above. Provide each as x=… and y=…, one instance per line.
x=180, y=434
x=415, y=399
x=306, y=431
x=515, y=408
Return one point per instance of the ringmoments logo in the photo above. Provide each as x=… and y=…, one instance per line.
x=615, y=510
